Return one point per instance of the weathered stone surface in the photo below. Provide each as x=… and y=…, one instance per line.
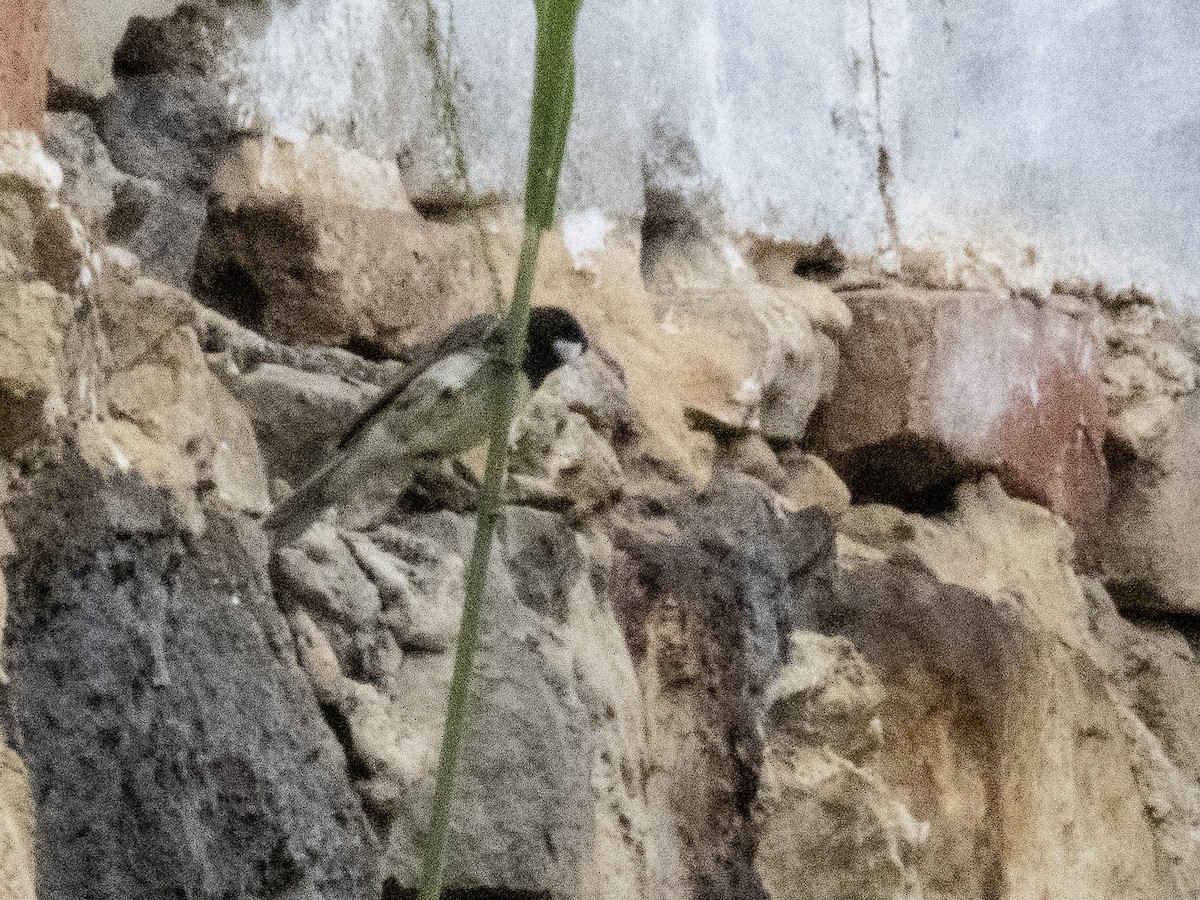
x=732, y=355
x=531, y=731
x=172, y=420
x=1151, y=363
x=298, y=416
x=1151, y=546
x=826, y=696
x=23, y=49
x=559, y=461
x=810, y=481
x=30, y=343
x=298, y=247
x=39, y=238
x=91, y=182
x=167, y=122
x=156, y=702
x=828, y=825
x=936, y=384
x=16, y=806
x=999, y=729
x=709, y=592
x=17, y=869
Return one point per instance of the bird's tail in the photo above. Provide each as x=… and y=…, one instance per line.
x=291, y=518
x=359, y=485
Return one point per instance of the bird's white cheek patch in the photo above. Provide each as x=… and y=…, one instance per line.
x=568, y=351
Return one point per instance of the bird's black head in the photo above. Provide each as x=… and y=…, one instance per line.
x=555, y=338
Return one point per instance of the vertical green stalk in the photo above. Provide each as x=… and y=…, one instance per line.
x=553, y=98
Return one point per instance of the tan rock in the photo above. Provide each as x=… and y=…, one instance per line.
x=557, y=459
x=811, y=481
x=741, y=354
x=23, y=160
x=1151, y=555
x=30, y=345
x=318, y=244
x=172, y=420
x=829, y=826
x=421, y=589
x=271, y=169
x=636, y=851
x=830, y=831
x=998, y=729
x=827, y=696
x=138, y=315
x=17, y=876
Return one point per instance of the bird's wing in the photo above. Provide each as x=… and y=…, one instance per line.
x=477, y=332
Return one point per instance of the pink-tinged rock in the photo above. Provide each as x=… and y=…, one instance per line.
x=23, y=64
x=937, y=385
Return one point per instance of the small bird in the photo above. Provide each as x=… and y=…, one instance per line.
x=440, y=407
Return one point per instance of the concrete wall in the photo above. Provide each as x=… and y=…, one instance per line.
x=1051, y=138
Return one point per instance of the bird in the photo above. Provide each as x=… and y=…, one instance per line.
x=440, y=407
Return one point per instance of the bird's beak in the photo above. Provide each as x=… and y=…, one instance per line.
x=568, y=351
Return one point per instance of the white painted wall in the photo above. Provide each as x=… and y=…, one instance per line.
x=1056, y=138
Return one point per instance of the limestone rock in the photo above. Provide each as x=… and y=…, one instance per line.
x=997, y=718
x=298, y=247
x=23, y=160
x=1149, y=367
x=827, y=696
x=828, y=825
x=30, y=347
x=171, y=418
x=810, y=481
x=421, y=587
x=531, y=730
x=298, y=416
x=1151, y=553
x=738, y=355
x=559, y=461
x=780, y=366
x=709, y=599
x=832, y=831
x=17, y=875
x=934, y=385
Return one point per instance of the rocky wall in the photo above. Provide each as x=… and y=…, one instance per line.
x=814, y=582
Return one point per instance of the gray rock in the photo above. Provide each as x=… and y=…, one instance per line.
x=298, y=416
x=89, y=177
x=170, y=130
x=709, y=588
x=524, y=808
x=544, y=559
x=166, y=121
x=173, y=746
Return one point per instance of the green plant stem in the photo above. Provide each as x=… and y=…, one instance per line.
x=553, y=99
x=490, y=501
